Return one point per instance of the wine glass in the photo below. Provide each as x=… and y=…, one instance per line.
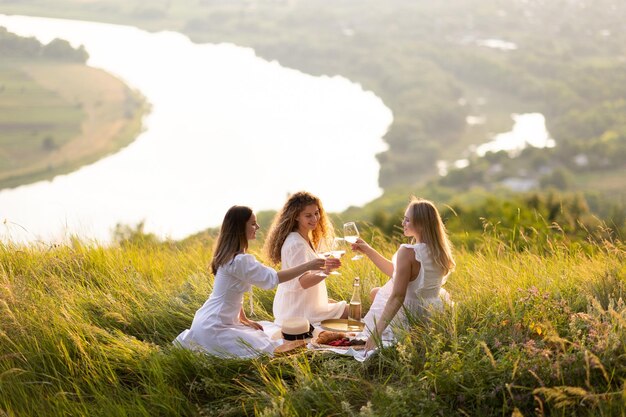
x=321, y=272
x=336, y=251
x=351, y=234
x=338, y=248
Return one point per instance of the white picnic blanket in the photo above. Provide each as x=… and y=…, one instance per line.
x=360, y=355
x=271, y=329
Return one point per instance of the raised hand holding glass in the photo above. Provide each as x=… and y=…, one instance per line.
x=351, y=234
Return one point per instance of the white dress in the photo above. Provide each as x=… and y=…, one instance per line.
x=422, y=294
x=216, y=328
x=291, y=299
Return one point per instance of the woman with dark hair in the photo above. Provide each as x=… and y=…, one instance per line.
x=299, y=230
x=220, y=326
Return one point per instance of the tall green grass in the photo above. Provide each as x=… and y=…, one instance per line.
x=87, y=330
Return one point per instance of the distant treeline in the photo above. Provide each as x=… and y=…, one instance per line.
x=522, y=219
x=14, y=46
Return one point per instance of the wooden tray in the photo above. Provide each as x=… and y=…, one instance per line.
x=341, y=325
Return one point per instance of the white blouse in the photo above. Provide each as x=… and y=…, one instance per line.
x=422, y=294
x=216, y=328
x=292, y=300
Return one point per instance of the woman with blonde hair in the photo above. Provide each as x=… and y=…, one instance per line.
x=417, y=271
x=220, y=327
x=298, y=232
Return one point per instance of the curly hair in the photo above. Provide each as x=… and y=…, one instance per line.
x=285, y=223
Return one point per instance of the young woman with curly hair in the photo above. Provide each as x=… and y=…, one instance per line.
x=298, y=232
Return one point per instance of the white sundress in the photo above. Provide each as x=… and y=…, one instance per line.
x=216, y=328
x=423, y=293
x=291, y=299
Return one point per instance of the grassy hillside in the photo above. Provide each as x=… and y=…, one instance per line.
x=57, y=117
x=56, y=113
x=34, y=120
x=87, y=331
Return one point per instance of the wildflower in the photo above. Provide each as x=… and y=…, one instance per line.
x=496, y=343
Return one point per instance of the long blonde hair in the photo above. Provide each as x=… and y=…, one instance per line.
x=425, y=218
x=232, y=239
x=285, y=223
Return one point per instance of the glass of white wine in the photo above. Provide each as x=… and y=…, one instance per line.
x=321, y=272
x=337, y=250
x=351, y=234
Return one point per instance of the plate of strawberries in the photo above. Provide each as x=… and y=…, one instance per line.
x=337, y=340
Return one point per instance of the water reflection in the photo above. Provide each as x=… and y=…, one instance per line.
x=529, y=129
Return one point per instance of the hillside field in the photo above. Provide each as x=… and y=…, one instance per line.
x=86, y=330
x=57, y=117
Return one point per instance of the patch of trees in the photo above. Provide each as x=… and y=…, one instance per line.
x=516, y=219
x=14, y=46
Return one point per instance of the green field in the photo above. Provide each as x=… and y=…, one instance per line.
x=56, y=117
x=30, y=115
x=609, y=181
x=87, y=331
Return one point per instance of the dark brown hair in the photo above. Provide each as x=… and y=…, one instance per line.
x=232, y=238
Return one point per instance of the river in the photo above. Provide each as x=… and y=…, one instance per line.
x=226, y=127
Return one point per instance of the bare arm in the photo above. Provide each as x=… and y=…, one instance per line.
x=315, y=264
x=379, y=260
x=396, y=299
x=298, y=252
x=246, y=321
x=313, y=278
x=310, y=279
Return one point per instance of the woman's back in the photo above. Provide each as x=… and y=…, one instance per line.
x=423, y=292
x=430, y=277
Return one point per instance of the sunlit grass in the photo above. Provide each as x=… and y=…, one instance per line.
x=87, y=330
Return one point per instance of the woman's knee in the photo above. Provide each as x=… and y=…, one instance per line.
x=373, y=293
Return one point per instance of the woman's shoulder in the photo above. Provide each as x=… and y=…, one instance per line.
x=414, y=246
x=294, y=238
x=239, y=260
x=420, y=250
